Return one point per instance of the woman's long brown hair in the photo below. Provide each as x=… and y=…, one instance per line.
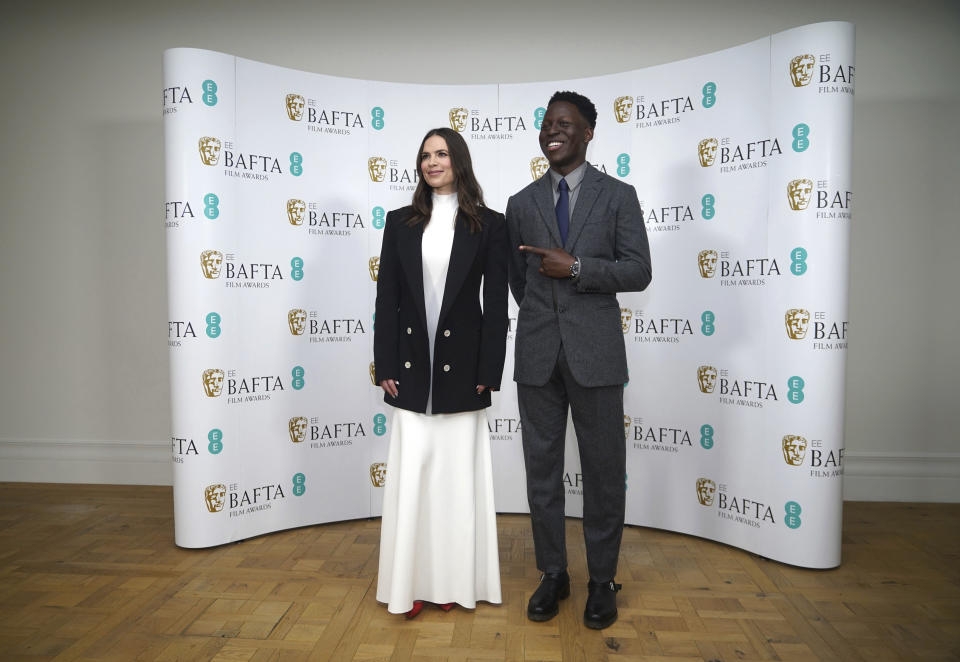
x=469, y=193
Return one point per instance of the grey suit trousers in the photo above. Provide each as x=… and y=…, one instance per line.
x=598, y=420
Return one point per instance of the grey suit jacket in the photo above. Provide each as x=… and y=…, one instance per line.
x=607, y=233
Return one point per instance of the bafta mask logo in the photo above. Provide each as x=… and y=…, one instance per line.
x=378, y=474
x=295, y=211
x=210, y=262
x=797, y=320
x=377, y=167
x=621, y=108
x=295, y=107
x=373, y=264
x=794, y=449
x=214, y=496
x=626, y=426
x=707, y=261
x=706, y=378
x=801, y=70
x=209, y=150
x=707, y=151
x=373, y=373
x=625, y=316
x=538, y=166
x=297, y=321
x=458, y=119
x=213, y=382
x=706, y=490
x=297, y=426
x=798, y=193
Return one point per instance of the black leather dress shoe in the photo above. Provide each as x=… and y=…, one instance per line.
x=543, y=603
x=601, y=611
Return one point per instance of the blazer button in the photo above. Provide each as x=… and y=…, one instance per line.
x=409, y=330
x=446, y=333
x=406, y=365
x=446, y=367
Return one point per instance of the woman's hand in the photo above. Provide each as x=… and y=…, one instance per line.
x=481, y=388
x=390, y=386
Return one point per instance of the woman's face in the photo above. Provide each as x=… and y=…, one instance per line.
x=436, y=168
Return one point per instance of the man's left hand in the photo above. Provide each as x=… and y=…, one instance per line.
x=554, y=262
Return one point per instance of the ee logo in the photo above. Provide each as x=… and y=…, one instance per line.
x=706, y=436
x=213, y=325
x=209, y=92
x=298, y=373
x=297, y=272
x=211, y=206
x=215, y=437
x=376, y=117
x=299, y=484
x=709, y=95
x=793, y=510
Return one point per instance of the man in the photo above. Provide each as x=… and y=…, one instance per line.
x=577, y=238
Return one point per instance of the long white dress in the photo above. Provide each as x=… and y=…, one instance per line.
x=438, y=535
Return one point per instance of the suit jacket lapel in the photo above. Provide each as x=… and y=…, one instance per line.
x=411, y=257
x=462, y=254
x=543, y=195
x=589, y=190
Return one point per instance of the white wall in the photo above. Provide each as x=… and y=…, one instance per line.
x=84, y=382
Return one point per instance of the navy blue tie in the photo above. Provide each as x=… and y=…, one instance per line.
x=563, y=211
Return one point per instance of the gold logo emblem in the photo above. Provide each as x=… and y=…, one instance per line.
x=538, y=166
x=373, y=373
x=295, y=210
x=295, y=107
x=214, y=496
x=706, y=378
x=621, y=108
x=706, y=490
x=794, y=449
x=297, y=321
x=801, y=70
x=377, y=167
x=213, y=382
x=373, y=264
x=707, y=151
x=707, y=261
x=210, y=262
x=625, y=316
x=297, y=426
x=626, y=426
x=798, y=193
x=378, y=474
x=209, y=150
x=458, y=119
x=797, y=320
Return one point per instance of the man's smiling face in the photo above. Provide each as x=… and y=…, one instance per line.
x=564, y=135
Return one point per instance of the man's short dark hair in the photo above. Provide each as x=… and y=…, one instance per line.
x=583, y=104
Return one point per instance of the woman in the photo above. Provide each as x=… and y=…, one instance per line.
x=438, y=355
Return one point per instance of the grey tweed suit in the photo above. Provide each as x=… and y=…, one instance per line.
x=570, y=353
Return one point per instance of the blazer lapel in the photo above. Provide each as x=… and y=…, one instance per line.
x=462, y=254
x=543, y=195
x=589, y=190
x=411, y=258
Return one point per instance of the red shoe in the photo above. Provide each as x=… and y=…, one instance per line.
x=448, y=606
x=417, y=608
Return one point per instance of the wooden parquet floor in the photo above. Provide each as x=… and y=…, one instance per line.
x=90, y=572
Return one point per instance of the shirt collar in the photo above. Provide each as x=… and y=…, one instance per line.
x=573, y=178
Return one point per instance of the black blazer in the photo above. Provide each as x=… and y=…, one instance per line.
x=470, y=344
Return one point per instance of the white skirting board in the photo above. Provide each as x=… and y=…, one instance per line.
x=880, y=476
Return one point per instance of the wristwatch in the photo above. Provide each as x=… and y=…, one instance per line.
x=575, y=269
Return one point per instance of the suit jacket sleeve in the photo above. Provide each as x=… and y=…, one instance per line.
x=386, y=333
x=493, y=334
x=631, y=270
x=517, y=261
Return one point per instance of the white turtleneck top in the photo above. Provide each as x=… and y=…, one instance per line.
x=435, y=248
